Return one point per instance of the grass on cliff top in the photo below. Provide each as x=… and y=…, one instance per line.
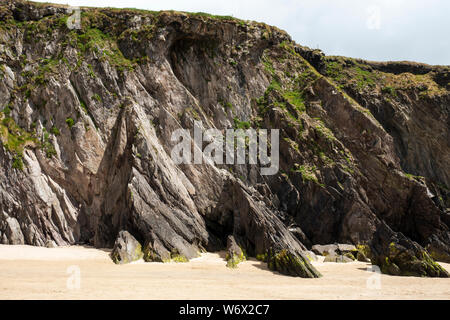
x=14, y=138
x=352, y=73
x=348, y=72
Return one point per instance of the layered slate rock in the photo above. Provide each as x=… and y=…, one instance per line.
x=126, y=249
x=86, y=127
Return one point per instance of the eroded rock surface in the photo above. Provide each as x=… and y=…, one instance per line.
x=87, y=117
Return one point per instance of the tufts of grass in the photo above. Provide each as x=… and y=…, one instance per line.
x=296, y=99
x=70, y=122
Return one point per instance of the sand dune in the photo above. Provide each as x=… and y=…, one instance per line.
x=41, y=273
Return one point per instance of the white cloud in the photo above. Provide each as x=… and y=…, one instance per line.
x=406, y=30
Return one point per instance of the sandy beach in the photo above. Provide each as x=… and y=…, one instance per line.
x=85, y=273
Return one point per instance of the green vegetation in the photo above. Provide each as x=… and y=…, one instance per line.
x=324, y=131
x=413, y=177
x=346, y=71
x=55, y=131
x=234, y=259
x=284, y=260
x=70, y=122
x=178, y=258
x=7, y=111
x=17, y=162
x=290, y=76
x=364, y=78
x=150, y=255
x=226, y=105
x=192, y=112
x=46, y=66
x=104, y=45
x=268, y=66
x=335, y=70
x=275, y=85
x=15, y=139
x=238, y=124
x=262, y=257
x=389, y=90
x=350, y=255
x=326, y=160
x=364, y=249
x=38, y=77
x=91, y=71
x=83, y=106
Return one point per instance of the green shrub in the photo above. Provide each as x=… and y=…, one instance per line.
x=55, y=131
x=70, y=122
x=97, y=97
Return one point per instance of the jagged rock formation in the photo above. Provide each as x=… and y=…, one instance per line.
x=87, y=117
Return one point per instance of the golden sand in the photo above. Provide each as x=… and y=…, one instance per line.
x=85, y=273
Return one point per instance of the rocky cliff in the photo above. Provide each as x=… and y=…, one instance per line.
x=87, y=117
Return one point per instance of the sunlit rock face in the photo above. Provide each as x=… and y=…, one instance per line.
x=88, y=113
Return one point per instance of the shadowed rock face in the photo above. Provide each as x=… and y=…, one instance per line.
x=87, y=118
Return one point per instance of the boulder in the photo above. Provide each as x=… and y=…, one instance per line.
x=126, y=249
x=50, y=244
x=235, y=254
x=103, y=162
x=337, y=258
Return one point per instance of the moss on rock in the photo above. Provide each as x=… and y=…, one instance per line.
x=290, y=264
x=401, y=261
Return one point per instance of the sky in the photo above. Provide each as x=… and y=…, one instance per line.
x=378, y=30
